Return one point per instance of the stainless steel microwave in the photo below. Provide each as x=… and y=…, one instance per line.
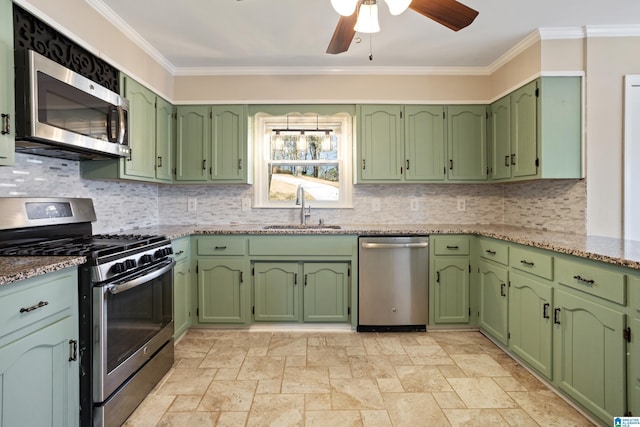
x=60, y=113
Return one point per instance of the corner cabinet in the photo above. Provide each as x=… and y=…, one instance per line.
x=450, y=272
x=39, y=369
x=151, y=140
x=211, y=145
x=7, y=89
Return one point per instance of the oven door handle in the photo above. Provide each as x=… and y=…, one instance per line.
x=141, y=280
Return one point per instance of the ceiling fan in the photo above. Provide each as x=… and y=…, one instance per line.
x=449, y=13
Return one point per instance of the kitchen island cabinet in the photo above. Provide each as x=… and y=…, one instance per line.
x=7, y=89
x=39, y=369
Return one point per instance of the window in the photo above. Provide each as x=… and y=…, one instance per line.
x=308, y=150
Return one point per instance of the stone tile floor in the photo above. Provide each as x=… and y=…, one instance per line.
x=247, y=378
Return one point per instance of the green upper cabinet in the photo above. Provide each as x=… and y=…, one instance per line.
x=7, y=104
x=380, y=146
x=211, y=144
x=424, y=143
x=151, y=139
x=536, y=131
x=466, y=143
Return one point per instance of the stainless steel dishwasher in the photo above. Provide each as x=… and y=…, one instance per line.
x=393, y=283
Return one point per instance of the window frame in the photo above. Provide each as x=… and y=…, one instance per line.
x=261, y=121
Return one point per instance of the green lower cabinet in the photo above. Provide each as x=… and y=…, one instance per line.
x=493, y=300
x=633, y=353
x=451, y=290
x=39, y=385
x=590, y=354
x=326, y=292
x=222, y=291
x=276, y=291
x=181, y=291
x=530, y=331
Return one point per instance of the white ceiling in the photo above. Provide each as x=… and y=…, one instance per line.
x=199, y=36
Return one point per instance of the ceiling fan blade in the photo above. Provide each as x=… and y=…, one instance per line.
x=343, y=34
x=449, y=13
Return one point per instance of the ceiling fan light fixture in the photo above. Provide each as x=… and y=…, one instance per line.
x=368, y=18
x=344, y=7
x=396, y=7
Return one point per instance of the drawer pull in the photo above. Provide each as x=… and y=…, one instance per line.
x=545, y=310
x=556, y=316
x=526, y=263
x=583, y=280
x=490, y=252
x=34, y=307
x=220, y=248
x=456, y=247
x=179, y=253
x=73, y=350
x=6, y=129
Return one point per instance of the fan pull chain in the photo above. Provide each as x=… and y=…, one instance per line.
x=370, y=46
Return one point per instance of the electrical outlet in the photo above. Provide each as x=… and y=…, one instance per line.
x=462, y=204
x=414, y=204
x=375, y=205
x=192, y=204
x=246, y=204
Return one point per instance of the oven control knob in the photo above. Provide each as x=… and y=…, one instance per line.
x=129, y=263
x=146, y=259
x=159, y=253
x=118, y=268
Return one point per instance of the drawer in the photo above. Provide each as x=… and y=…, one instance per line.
x=29, y=301
x=222, y=246
x=180, y=248
x=451, y=245
x=593, y=278
x=531, y=261
x=494, y=250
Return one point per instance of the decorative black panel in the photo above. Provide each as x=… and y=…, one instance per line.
x=32, y=34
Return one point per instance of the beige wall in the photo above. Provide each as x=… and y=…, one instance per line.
x=608, y=60
x=83, y=24
x=511, y=75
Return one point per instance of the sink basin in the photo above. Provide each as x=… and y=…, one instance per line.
x=301, y=227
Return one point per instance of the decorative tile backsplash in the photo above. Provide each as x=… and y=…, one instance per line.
x=551, y=205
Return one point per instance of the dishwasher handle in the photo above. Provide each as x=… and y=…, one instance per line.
x=369, y=245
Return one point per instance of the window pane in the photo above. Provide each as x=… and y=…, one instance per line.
x=320, y=182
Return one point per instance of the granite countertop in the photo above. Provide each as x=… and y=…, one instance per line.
x=613, y=251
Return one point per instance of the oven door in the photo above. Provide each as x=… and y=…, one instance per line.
x=132, y=319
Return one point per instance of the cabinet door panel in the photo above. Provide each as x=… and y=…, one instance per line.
x=142, y=130
x=493, y=300
x=181, y=297
x=165, y=136
x=7, y=89
x=466, y=142
x=228, y=142
x=500, y=139
x=530, y=312
x=220, y=291
x=589, y=353
x=524, y=131
x=326, y=292
x=424, y=143
x=451, y=290
x=192, y=144
x=381, y=153
x=276, y=291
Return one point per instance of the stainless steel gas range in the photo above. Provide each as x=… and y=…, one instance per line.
x=125, y=293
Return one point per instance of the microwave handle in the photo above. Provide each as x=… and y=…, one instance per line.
x=110, y=135
x=123, y=125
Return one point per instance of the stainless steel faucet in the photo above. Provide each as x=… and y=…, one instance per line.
x=300, y=201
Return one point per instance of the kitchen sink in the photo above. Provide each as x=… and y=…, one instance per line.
x=301, y=227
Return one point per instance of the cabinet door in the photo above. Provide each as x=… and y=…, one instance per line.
x=220, y=291
x=424, y=143
x=451, y=291
x=7, y=105
x=39, y=382
x=276, y=291
x=326, y=292
x=524, y=148
x=142, y=130
x=493, y=300
x=181, y=297
x=500, y=139
x=192, y=143
x=589, y=354
x=466, y=142
x=165, y=137
x=633, y=357
x=228, y=143
x=530, y=309
x=380, y=141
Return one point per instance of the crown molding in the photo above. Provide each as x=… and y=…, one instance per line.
x=613, y=30
x=245, y=71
